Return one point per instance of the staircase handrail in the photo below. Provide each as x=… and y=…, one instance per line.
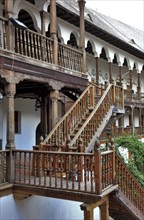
x=128, y=184
x=91, y=115
x=66, y=115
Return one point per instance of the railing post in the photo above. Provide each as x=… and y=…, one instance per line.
x=113, y=93
x=97, y=162
x=112, y=147
x=92, y=95
x=10, y=166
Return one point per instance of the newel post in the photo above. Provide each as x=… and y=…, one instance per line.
x=113, y=92
x=92, y=95
x=112, y=147
x=98, y=171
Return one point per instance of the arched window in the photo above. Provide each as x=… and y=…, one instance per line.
x=26, y=19
x=125, y=62
x=72, y=42
x=103, y=54
x=115, y=59
x=89, y=48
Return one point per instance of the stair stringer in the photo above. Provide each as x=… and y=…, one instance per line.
x=100, y=129
x=118, y=201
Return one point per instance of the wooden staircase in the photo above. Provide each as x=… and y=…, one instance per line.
x=128, y=201
x=95, y=110
x=86, y=120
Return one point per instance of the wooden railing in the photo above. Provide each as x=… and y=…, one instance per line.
x=59, y=134
x=92, y=123
x=65, y=170
x=71, y=123
x=3, y=166
x=33, y=45
x=129, y=185
x=37, y=46
x=69, y=57
x=3, y=41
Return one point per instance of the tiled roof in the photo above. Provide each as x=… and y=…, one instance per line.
x=118, y=29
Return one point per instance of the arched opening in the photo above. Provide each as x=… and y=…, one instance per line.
x=72, y=42
x=115, y=59
x=103, y=54
x=89, y=48
x=125, y=62
x=26, y=19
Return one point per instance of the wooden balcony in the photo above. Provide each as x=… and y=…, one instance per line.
x=72, y=176
x=66, y=171
x=34, y=46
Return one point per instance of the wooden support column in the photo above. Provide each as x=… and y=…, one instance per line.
x=44, y=117
x=54, y=95
x=10, y=34
x=120, y=74
x=53, y=30
x=132, y=119
x=140, y=119
x=88, y=211
x=97, y=71
x=10, y=91
x=110, y=72
x=130, y=75
x=139, y=87
x=43, y=21
x=82, y=33
x=103, y=204
x=104, y=210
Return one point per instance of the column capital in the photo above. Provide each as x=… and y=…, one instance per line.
x=56, y=85
x=11, y=77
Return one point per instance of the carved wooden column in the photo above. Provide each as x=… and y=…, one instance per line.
x=132, y=120
x=10, y=91
x=44, y=130
x=110, y=72
x=82, y=33
x=53, y=29
x=9, y=27
x=130, y=75
x=140, y=120
x=97, y=70
x=88, y=212
x=104, y=210
x=43, y=21
x=54, y=95
x=139, y=87
x=120, y=74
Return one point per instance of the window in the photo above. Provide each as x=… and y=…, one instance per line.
x=17, y=121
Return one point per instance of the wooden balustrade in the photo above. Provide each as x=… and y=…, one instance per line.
x=69, y=57
x=59, y=134
x=3, y=166
x=33, y=45
x=119, y=97
x=92, y=123
x=3, y=41
x=64, y=170
x=129, y=185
